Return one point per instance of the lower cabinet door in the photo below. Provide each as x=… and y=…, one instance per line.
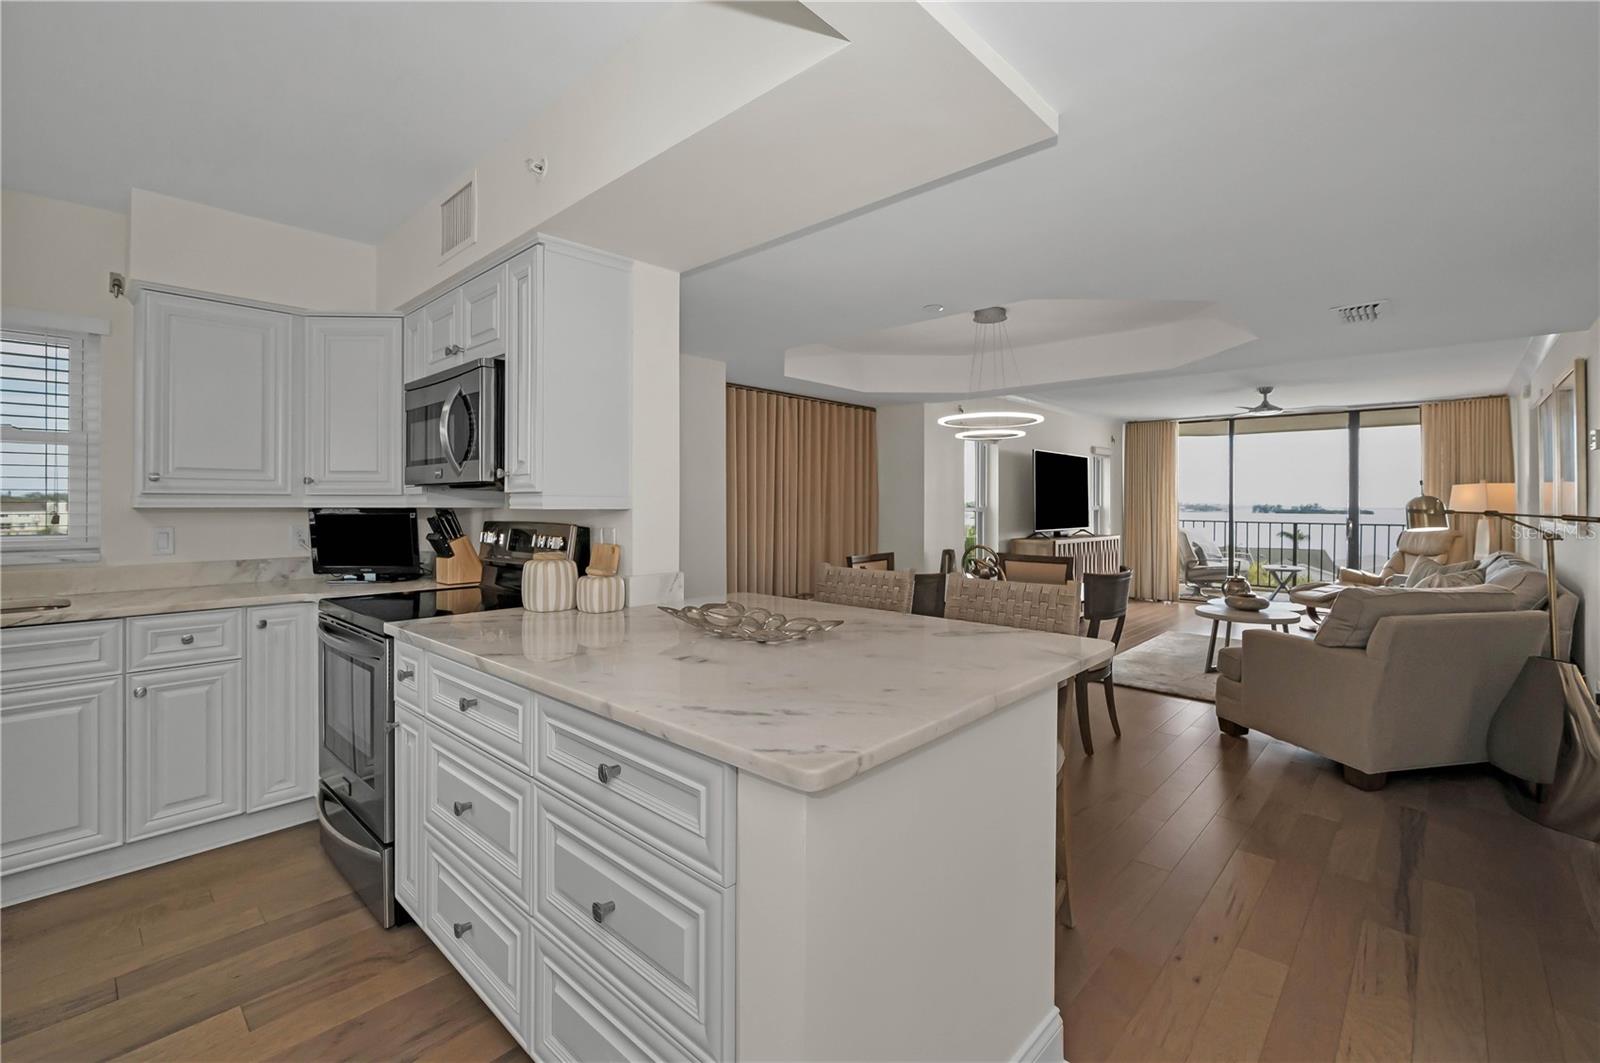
x=61, y=772
x=280, y=705
x=185, y=750
x=576, y=1019
x=409, y=795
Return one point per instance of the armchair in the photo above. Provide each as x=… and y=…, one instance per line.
x=1202, y=563
x=1444, y=545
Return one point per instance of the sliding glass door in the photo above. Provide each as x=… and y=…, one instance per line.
x=1299, y=495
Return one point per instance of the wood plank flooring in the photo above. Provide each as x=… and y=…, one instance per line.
x=1235, y=901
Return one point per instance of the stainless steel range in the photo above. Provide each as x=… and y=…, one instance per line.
x=356, y=799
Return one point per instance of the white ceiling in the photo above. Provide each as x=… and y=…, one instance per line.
x=1272, y=159
x=336, y=117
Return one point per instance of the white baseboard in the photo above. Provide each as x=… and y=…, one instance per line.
x=1045, y=1043
x=69, y=874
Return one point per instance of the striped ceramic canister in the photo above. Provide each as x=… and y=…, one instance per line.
x=601, y=594
x=548, y=584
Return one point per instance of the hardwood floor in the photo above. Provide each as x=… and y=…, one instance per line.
x=1234, y=900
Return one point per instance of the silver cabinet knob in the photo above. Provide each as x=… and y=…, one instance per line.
x=461, y=806
x=601, y=909
x=308, y=479
x=262, y=624
x=153, y=477
x=467, y=703
x=406, y=673
x=460, y=928
x=607, y=772
x=454, y=350
x=187, y=640
x=139, y=692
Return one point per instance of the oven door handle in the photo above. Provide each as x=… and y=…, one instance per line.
x=330, y=830
x=335, y=640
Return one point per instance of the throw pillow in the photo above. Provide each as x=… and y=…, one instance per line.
x=1520, y=577
x=1357, y=610
x=1427, y=566
x=1469, y=578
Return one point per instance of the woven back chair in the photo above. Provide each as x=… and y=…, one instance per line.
x=1034, y=568
x=864, y=588
x=1049, y=607
x=876, y=562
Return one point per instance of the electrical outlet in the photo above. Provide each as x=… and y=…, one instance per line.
x=299, y=539
x=606, y=535
x=166, y=542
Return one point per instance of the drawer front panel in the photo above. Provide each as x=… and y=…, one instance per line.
x=484, y=807
x=183, y=638
x=408, y=675
x=679, y=801
x=575, y=1018
x=485, y=936
x=495, y=714
x=661, y=931
x=50, y=653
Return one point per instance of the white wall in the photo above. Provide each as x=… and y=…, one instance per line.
x=1578, y=556
x=920, y=508
x=191, y=245
x=1069, y=433
x=703, y=476
x=55, y=257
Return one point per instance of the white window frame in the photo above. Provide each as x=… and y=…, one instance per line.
x=82, y=336
x=1099, y=489
x=983, y=476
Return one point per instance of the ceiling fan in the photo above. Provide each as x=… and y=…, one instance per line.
x=1266, y=405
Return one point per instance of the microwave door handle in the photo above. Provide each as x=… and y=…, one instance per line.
x=344, y=644
x=444, y=428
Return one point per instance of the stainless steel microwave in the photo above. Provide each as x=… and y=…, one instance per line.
x=453, y=422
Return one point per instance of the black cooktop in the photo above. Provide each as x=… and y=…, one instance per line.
x=372, y=611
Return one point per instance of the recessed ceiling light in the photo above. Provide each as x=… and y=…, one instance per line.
x=933, y=308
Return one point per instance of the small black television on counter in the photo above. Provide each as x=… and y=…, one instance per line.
x=368, y=544
x=1060, y=491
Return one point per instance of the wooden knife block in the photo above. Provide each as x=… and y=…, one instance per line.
x=464, y=567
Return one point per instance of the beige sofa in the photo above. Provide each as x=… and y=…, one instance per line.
x=1396, y=679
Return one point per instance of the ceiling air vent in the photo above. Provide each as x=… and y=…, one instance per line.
x=458, y=219
x=1360, y=313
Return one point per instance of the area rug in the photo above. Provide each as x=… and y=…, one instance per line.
x=1170, y=663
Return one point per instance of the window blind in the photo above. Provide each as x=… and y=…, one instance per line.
x=49, y=453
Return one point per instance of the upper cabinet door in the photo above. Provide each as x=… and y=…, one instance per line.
x=483, y=310
x=411, y=342
x=216, y=412
x=353, y=398
x=443, y=346
x=524, y=278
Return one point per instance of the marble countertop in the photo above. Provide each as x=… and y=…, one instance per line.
x=808, y=715
x=151, y=601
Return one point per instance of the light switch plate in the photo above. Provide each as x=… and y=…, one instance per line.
x=166, y=542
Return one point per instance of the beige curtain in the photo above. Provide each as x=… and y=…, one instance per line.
x=1150, y=508
x=802, y=488
x=1465, y=441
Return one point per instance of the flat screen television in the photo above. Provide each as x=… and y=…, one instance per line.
x=365, y=543
x=1060, y=491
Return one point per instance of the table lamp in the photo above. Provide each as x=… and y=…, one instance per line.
x=1480, y=498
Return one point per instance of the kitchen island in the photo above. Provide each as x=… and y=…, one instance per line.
x=638, y=840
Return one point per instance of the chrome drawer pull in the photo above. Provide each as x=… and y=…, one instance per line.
x=467, y=703
x=601, y=909
x=406, y=673
x=138, y=692
x=461, y=928
x=461, y=806
x=607, y=772
x=187, y=640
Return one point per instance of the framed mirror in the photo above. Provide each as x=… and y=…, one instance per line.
x=1563, y=468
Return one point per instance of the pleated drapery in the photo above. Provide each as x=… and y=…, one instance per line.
x=1150, y=508
x=1468, y=441
x=802, y=488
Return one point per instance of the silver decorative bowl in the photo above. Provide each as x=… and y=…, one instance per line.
x=730, y=620
x=1247, y=602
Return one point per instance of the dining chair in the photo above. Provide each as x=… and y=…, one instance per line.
x=1037, y=607
x=1034, y=568
x=947, y=561
x=864, y=588
x=1105, y=597
x=871, y=562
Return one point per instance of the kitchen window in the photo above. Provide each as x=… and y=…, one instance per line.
x=976, y=468
x=49, y=444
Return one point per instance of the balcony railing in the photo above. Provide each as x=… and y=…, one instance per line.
x=1321, y=547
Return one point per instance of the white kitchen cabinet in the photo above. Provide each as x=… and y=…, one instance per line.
x=215, y=412
x=465, y=324
x=569, y=393
x=280, y=705
x=61, y=751
x=353, y=397
x=410, y=794
x=442, y=344
x=185, y=762
x=483, y=314
x=411, y=344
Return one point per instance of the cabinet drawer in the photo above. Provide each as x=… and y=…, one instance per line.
x=183, y=638
x=408, y=674
x=482, y=806
x=53, y=652
x=576, y=1017
x=482, y=933
x=494, y=713
x=663, y=933
x=678, y=801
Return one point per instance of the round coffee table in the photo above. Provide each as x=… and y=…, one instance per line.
x=1274, y=616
